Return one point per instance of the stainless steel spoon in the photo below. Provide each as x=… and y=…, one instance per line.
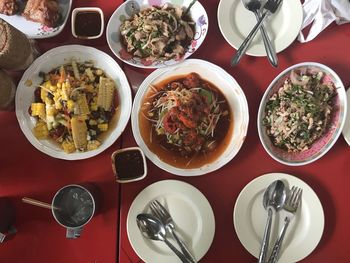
x=151, y=227
x=254, y=6
x=274, y=198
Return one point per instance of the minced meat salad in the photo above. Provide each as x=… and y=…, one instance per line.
x=298, y=114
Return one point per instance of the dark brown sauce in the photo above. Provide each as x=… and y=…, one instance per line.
x=88, y=24
x=129, y=164
x=222, y=135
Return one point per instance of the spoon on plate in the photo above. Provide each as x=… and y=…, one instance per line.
x=254, y=6
x=152, y=228
x=274, y=198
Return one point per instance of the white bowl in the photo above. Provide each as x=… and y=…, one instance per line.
x=52, y=59
x=230, y=89
x=323, y=144
x=125, y=10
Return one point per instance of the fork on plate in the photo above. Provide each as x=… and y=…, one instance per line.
x=291, y=207
x=162, y=213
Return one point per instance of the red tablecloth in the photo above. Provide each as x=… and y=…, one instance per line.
x=24, y=171
x=327, y=176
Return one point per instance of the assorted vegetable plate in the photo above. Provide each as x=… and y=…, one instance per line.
x=33, y=78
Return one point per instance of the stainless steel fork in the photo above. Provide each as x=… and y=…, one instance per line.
x=271, y=7
x=291, y=206
x=160, y=211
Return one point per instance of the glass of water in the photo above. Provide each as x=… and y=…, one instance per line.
x=73, y=206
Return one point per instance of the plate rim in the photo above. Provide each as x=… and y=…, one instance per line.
x=158, y=162
x=269, y=177
x=19, y=112
x=157, y=193
x=262, y=52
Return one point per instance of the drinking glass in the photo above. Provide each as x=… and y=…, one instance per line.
x=73, y=206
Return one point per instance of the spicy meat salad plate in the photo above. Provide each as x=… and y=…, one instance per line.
x=190, y=119
x=60, y=104
x=190, y=211
x=235, y=22
x=304, y=232
x=36, y=30
x=160, y=38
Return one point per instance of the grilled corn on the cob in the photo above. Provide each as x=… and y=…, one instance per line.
x=79, y=132
x=105, y=93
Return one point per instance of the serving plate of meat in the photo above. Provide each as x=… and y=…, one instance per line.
x=36, y=18
x=149, y=35
x=190, y=119
x=302, y=113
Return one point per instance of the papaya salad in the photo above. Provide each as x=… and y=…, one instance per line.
x=300, y=112
x=73, y=106
x=188, y=116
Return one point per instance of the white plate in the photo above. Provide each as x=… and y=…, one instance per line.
x=37, y=30
x=229, y=88
x=235, y=23
x=52, y=59
x=346, y=129
x=191, y=212
x=304, y=231
x=123, y=12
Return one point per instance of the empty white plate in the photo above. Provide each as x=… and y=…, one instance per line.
x=304, y=231
x=235, y=22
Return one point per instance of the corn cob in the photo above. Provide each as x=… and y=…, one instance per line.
x=43, y=94
x=75, y=70
x=40, y=130
x=79, y=132
x=81, y=106
x=68, y=146
x=105, y=93
x=103, y=126
x=93, y=145
x=38, y=109
x=90, y=75
x=70, y=105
